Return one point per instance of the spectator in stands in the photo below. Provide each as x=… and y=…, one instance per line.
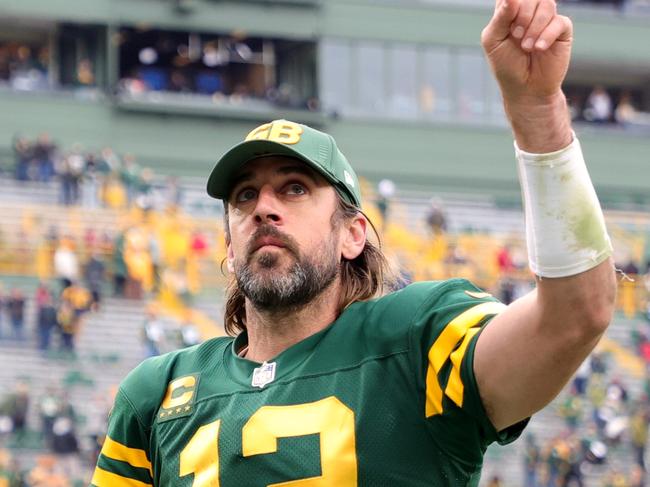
x=189, y=332
x=173, y=193
x=15, y=305
x=532, y=456
x=614, y=412
x=27, y=73
x=114, y=194
x=571, y=409
x=66, y=263
x=625, y=112
x=90, y=242
x=70, y=172
x=107, y=164
x=385, y=194
x=41, y=295
x=597, y=395
x=153, y=332
x=46, y=321
x=139, y=267
x=639, y=430
x=65, y=443
x=581, y=377
x=67, y=322
x=156, y=257
x=90, y=182
x=179, y=82
x=23, y=155
x=506, y=268
x=48, y=409
x=119, y=264
x=75, y=302
x=616, y=391
x=599, y=365
x=85, y=74
x=95, y=276
x=129, y=175
x=598, y=108
x=174, y=279
x=144, y=189
x=436, y=218
x=198, y=243
x=44, y=153
x=15, y=405
x=573, y=475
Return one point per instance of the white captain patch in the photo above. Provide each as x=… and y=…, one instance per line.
x=264, y=374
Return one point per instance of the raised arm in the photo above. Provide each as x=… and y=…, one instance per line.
x=528, y=353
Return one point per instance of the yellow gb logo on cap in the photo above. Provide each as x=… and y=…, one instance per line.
x=282, y=131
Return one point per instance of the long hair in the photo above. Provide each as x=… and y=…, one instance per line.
x=362, y=278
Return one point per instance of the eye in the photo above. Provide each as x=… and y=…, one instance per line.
x=296, y=189
x=245, y=195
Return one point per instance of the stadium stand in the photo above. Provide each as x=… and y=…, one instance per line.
x=111, y=338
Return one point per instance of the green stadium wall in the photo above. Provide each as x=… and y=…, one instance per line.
x=187, y=140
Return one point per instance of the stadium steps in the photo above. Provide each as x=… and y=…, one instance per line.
x=108, y=347
x=409, y=206
x=27, y=192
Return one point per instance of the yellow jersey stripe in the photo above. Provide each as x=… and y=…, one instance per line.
x=133, y=456
x=444, y=345
x=104, y=478
x=455, y=387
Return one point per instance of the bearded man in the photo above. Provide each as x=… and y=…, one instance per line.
x=330, y=382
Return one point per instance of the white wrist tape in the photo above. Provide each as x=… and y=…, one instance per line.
x=565, y=228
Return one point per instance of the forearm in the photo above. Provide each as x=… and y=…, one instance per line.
x=542, y=338
x=533, y=348
x=539, y=124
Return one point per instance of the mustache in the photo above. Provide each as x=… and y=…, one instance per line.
x=271, y=231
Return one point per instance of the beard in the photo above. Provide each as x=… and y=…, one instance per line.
x=273, y=289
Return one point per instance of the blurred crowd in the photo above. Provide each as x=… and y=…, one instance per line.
x=227, y=68
x=48, y=423
x=24, y=67
x=605, y=106
x=92, y=179
x=58, y=315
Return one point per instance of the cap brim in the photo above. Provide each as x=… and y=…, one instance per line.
x=223, y=174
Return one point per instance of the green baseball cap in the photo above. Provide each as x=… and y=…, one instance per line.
x=284, y=138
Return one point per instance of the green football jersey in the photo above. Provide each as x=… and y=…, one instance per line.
x=383, y=397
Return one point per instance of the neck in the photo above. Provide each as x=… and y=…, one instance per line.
x=272, y=332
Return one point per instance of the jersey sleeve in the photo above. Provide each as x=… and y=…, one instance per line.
x=124, y=459
x=444, y=332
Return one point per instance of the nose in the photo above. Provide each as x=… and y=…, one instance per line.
x=267, y=208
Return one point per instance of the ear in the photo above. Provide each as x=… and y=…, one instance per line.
x=230, y=256
x=354, y=237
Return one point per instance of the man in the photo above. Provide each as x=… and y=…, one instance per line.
x=326, y=386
